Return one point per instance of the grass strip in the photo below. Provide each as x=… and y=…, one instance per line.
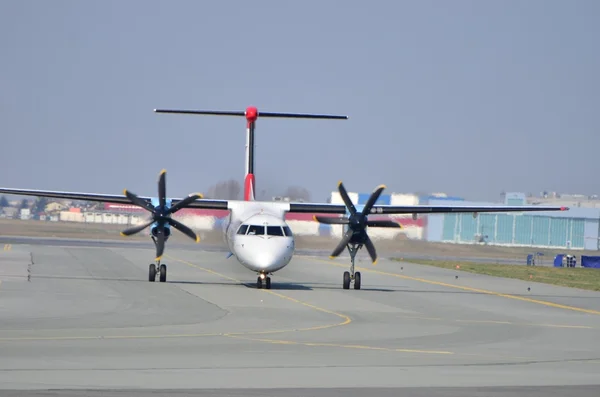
x=573, y=277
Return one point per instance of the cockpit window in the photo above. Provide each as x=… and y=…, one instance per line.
x=259, y=230
x=274, y=231
x=256, y=230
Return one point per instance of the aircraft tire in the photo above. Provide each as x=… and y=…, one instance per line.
x=268, y=282
x=346, y=284
x=163, y=273
x=357, y=280
x=152, y=272
x=258, y=282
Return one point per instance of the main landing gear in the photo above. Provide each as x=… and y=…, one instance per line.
x=351, y=275
x=159, y=268
x=162, y=270
x=263, y=277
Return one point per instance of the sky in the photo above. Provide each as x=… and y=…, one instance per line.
x=470, y=98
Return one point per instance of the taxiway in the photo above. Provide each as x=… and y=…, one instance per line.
x=85, y=317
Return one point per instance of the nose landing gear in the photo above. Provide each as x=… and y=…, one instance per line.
x=263, y=277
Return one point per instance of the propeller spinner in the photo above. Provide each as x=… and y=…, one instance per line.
x=356, y=233
x=161, y=215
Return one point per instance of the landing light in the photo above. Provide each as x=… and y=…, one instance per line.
x=262, y=276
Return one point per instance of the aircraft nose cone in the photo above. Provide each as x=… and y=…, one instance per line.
x=273, y=256
x=266, y=260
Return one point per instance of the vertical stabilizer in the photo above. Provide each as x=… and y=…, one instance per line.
x=249, y=182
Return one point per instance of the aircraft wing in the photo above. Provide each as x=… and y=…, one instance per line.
x=326, y=208
x=109, y=198
x=320, y=208
x=97, y=197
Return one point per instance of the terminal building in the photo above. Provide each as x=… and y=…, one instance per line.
x=574, y=229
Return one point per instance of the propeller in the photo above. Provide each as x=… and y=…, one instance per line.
x=357, y=222
x=161, y=215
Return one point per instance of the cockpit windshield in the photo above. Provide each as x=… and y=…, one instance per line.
x=260, y=230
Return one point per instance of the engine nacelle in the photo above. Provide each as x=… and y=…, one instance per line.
x=154, y=231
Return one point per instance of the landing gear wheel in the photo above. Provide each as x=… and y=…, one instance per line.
x=152, y=272
x=357, y=280
x=163, y=273
x=268, y=283
x=258, y=282
x=346, y=280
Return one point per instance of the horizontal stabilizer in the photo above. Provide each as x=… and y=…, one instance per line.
x=258, y=114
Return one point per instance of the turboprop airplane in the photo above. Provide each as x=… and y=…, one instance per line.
x=256, y=232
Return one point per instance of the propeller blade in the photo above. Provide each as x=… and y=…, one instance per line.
x=184, y=229
x=342, y=245
x=383, y=223
x=160, y=241
x=373, y=199
x=346, y=198
x=138, y=201
x=371, y=250
x=329, y=220
x=162, y=188
x=136, y=229
x=184, y=202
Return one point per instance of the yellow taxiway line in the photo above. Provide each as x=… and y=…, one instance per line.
x=470, y=289
x=346, y=320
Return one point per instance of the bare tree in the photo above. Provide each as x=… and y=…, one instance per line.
x=231, y=189
x=225, y=190
x=40, y=205
x=297, y=193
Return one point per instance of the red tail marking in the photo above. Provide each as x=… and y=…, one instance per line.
x=249, y=188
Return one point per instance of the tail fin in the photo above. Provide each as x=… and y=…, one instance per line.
x=251, y=115
x=249, y=183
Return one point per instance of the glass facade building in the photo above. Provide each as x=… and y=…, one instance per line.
x=577, y=228
x=515, y=230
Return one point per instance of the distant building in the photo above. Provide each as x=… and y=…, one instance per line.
x=567, y=200
x=54, y=207
x=573, y=229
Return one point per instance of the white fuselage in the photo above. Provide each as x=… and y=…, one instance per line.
x=258, y=236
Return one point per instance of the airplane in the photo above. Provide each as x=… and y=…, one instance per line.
x=256, y=232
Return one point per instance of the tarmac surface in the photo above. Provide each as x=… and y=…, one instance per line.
x=81, y=318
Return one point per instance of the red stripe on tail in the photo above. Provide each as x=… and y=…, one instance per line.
x=249, y=187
